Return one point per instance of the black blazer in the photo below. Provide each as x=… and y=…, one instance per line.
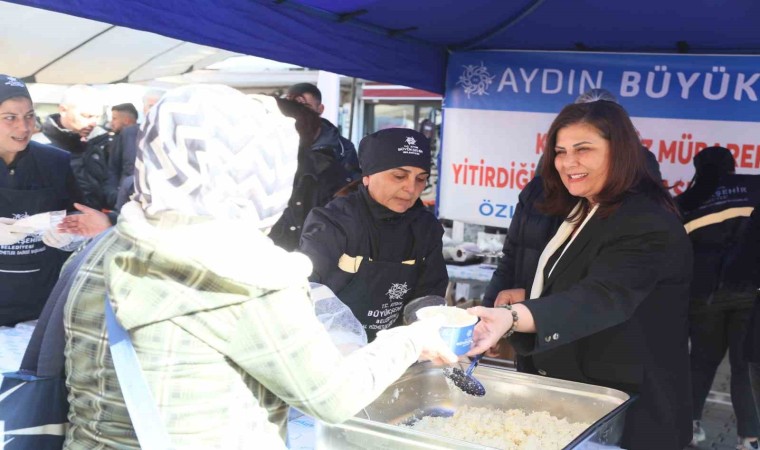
x=614, y=313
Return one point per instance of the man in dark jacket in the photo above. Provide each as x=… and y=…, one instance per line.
x=123, y=117
x=320, y=175
x=329, y=136
x=75, y=129
x=378, y=248
x=752, y=340
x=121, y=160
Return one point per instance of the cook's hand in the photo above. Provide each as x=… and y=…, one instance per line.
x=90, y=223
x=509, y=297
x=426, y=334
x=494, y=322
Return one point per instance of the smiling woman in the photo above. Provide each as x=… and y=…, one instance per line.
x=609, y=297
x=34, y=179
x=582, y=160
x=17, y=125
x=597, y=156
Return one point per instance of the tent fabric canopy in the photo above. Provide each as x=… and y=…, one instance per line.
x=46, y=47
x=407, y=42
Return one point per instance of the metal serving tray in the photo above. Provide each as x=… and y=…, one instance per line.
x=423, y=391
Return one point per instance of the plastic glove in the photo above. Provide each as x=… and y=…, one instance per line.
x=38, y=223
x=426, y=335
x=9, y=234
x=345, y=330
x=63, y=241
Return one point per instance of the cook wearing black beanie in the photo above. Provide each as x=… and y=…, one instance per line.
x=378, y=248
x=394, y=147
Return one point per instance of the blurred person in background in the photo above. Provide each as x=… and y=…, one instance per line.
x=221, y=319
x=329, y=135
x=121, y=163
x=320, y=174
x=752, y=341
x=716, y=211
x=122, y=115
x=119, y=184
x=75, y=129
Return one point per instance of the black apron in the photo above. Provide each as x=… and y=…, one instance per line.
x=379, y=290
x=28, y=268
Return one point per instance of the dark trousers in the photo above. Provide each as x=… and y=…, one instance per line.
x=711, y=334
x=754, y=378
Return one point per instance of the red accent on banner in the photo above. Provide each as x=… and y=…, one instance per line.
x=517, y=175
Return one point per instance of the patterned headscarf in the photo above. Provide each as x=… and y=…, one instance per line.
x=210, y=150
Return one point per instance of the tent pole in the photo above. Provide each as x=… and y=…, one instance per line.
x=353, y=106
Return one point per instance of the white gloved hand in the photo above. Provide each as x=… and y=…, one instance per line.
x=426, y=335
x=36, y=223
x=10, y=234
x=62, y=241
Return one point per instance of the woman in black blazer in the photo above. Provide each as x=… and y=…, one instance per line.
x=609, y=301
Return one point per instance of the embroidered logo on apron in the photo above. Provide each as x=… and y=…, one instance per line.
x=397, y=291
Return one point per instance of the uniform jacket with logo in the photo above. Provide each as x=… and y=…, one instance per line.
x=726, y=272
x=335, y=229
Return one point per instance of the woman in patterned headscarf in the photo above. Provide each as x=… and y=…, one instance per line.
x=220, y=317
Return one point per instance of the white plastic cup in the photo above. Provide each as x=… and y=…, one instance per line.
x=457, y=328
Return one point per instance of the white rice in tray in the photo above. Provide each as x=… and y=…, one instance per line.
x=509, y=430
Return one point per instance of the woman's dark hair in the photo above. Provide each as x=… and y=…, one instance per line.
x=627, y=171
x=710, y=165
x=308, y=122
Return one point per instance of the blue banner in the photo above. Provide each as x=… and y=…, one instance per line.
x=712, y=87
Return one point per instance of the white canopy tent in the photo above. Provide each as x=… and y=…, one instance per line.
x=42, y=46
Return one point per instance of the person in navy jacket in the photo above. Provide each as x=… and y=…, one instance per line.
x=34, y=178
x=716, y=212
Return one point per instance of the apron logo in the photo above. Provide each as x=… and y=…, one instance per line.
x=397, y=291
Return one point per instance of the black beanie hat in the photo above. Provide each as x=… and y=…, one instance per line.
x=714, y=161
x=11, y=87
x=394, y=147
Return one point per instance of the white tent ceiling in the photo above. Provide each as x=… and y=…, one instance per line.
x=47, y=47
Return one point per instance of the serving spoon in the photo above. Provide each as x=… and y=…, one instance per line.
x=464, y=380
